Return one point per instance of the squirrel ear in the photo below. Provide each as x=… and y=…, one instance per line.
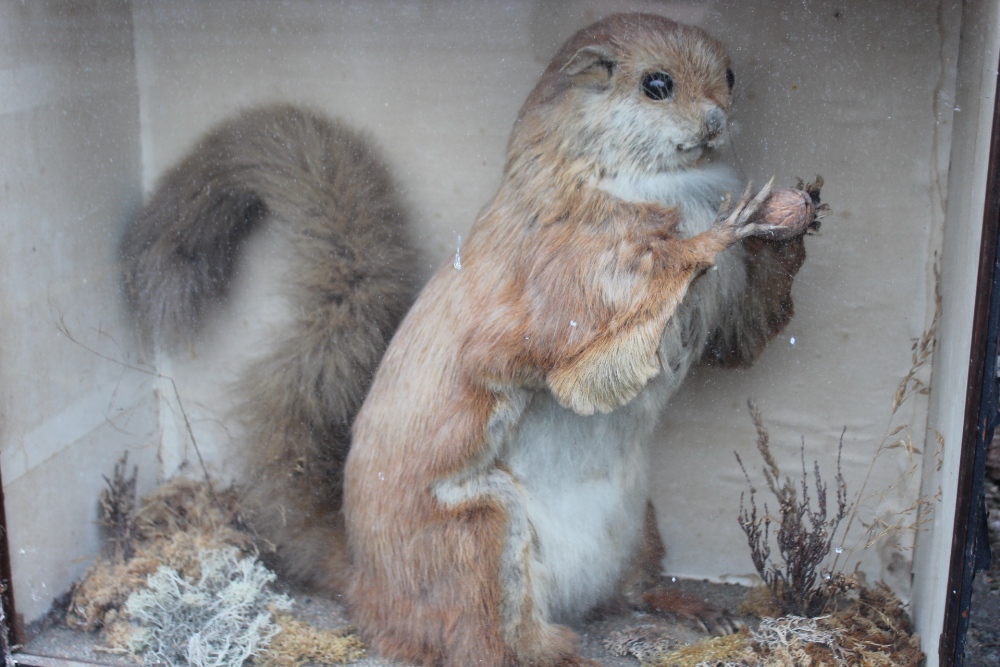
x=599, y=59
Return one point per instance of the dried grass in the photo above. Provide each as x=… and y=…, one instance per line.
x=299, y=643
x=173, y=526
x=872, y=631
x=104, y=589
x=759, y=603
x=186, y=505
x=805, y=531
x=732, y=649
x=877, y=631
x=168, y=537
x=897, y=437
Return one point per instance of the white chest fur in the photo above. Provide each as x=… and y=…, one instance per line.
x=586, y=478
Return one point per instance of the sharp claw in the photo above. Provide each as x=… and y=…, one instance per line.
x=756, y=230
x=765, y=192
x=718, y=623
x=751, y=207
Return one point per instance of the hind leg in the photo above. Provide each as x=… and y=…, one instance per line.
x=643, y=586
x=447, y=581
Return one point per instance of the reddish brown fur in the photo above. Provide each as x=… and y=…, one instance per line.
x=519, y=291
x=428, y=580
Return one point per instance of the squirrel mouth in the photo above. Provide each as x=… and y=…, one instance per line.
x=708, y=136
x=704, y=142
x=696, y=146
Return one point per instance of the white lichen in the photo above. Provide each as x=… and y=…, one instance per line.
x=220, y=619
x=784, y=631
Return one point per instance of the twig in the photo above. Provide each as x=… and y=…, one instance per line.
x=63, y=329
x=921, y=351
x=118, y=504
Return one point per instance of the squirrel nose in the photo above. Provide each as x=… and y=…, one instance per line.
x=715, y=121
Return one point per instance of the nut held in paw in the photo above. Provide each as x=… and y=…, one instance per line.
x=787, y=212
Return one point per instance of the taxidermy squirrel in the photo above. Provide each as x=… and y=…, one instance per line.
x=497, y=485
x=351, y=281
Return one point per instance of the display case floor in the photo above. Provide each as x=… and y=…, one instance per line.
x=59, y=646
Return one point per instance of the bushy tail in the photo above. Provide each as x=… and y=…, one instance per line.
x=352, y=280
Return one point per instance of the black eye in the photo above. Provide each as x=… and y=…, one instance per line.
x=657, y=85
x=730, y=79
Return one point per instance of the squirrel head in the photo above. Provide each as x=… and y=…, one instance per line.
x=630, y=93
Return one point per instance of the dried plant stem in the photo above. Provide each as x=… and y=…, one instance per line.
x=804, y=533
x=63, y=329
x=909, y=386
x=118, y=509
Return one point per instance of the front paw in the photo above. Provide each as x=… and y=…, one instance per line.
x=736, y=219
